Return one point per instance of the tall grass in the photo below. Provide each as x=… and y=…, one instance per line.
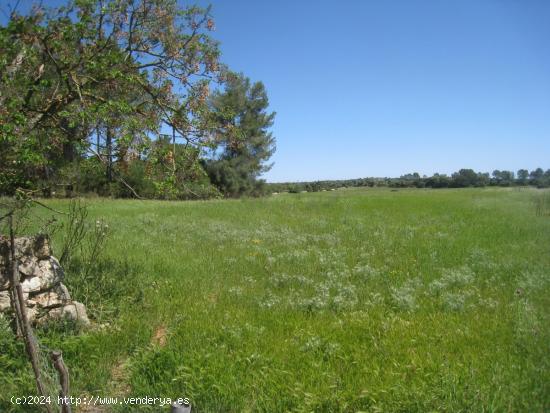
x=344, y=301
x=542, y=203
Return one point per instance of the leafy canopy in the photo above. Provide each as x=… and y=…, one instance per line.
x=135, y=65
x=244, y=141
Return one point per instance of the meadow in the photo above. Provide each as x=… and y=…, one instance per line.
x=359, y=300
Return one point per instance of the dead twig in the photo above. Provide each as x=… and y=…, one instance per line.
x=59, y=365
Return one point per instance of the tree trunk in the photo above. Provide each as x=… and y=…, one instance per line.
x=109, y=149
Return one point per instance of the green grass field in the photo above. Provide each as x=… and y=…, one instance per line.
x=345, y=301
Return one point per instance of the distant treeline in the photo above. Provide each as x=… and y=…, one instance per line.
x=461, y=179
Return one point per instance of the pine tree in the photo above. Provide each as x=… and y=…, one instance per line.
x=244, y=143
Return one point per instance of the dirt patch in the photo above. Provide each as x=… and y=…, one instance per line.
x=160, y=337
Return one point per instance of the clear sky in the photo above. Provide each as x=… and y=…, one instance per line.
x=382, y=88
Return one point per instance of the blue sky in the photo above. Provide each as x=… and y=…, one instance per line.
x=382, y=88
x=387, y=87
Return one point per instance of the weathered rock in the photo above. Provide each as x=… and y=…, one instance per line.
x=41, y=278
x=42, y=248
x=5, y=301
x=4, y=279
x=33, y=284
x=47, y=273
x=32, y=314
x=56, y=297
x=23, y=247
x=74, y=311
x=27, y=266
x=56, y=266
x=63, y=292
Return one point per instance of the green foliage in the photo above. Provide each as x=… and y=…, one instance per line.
x=244, y=143
x=86, y=86
x=117, y=69
x=464, y=178
x=503, y=178
x=175, y=172
x=234, y=178
x=135, y=175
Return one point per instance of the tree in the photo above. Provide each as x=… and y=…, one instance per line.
x=523, y=176
x=464, y=178
x=503, y=178
x=438, y=181
x=174, y=171
x=483, y=179
x=131, y=65
x=507, y=178
x=497, y=178
x=244, y=143
x=536, y=177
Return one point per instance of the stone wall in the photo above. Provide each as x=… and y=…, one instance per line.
x=41, y=278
